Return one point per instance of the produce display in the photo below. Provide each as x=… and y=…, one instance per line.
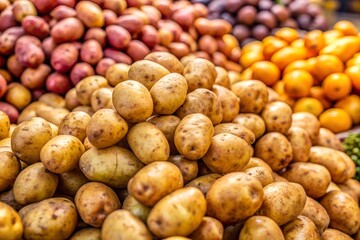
x=351, y=147
x=172, y=149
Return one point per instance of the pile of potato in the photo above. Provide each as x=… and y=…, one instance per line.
x=171, y=149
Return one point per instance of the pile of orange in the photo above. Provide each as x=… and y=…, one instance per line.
x=317, y=73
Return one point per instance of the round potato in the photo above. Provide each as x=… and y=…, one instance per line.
x=260, y=227
x=34, y=183
x=209, y=229
x=149, y=191
x=169, y=93
x=227, y=153
x=189, y=169
x=114, y=166
x=301, y=228
x=4, y=125
x=70, y=182
x=122, y=224
x=200, y=73
x=117, y=73
x=333, y=234
x=317, y=214
x=246, y=195
x=300, y=143
x=277, y=117
x=87, y=234
x=132, y=101
x=343, y=211
x=230, y=103
x=328, y=139
x=90, y=14
x=237, y=130
x=10, y=169
x=53, y=218
x=263, y=174
x=252, y=122
x=283, y=201
x=257, y=162
x=102, y=98
x=74, y=124
x=193, y=136
x=275, y=150
x=29, y=137
x=86, y=87
x=253, y=95
x=167, y=60
x=62, y=153
x=148, y=143
x=308, y=122
x=11, y=225
x=204, y=183
x=135, y=207
x=94, y=202
x=177, y=214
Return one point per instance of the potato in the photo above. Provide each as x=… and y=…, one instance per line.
x=253, y=95
x=277, y=117
x=200, y=73
x=17, y=95
x=21, y=9
x=80, y=71
x=12, y=227
x=91, y=52
x=94, y=202
x=58, y=82
x=29, y=137
x=209, y=229
x=8, y=39
x=257, y=162
x=308, y=122
x=222, y=78
x=301, y=228
x=35, y=26
x=71, y=101
x=193, y=136
x=217, y=198
x=117, y=56
x=87, y=234
x=203, y=101
x=52, y=115
x=34, y=78
x=67, y=30
x=62, y=11
x=86, y=109
x=327, y=138
x=317, y=214
x=176, y=238
x=102, y=98
x=10, y=111
x=167, y=60
x=71, y=181
x=189, y=169
x=168, y=93
x=14, y=67
x=135, y=207
x=352, y=187
x=333, y=187
x=64, y=57
x=230, y=103
x=6, y=142
x=167, y=124
x=260, y=227
x=263, y=174
x=204, y=183
x=300, y=143
x=53, y=218
x=11, y=168
x=137, y=50
x=4, y=125
x=283, y=202
x=227, y=153
x=333, y=234
x=90, y=14
x=343, y=211
x=53, y=100
x=74, y=124
x=122, y=224
x=235, y=129
x=34, y=184
x=275, y=150
x=132, y=101
x=187, y=204
x=103, y=65
x=86, y=87
x=117, y=37
x=252, y=122
x=117, y=73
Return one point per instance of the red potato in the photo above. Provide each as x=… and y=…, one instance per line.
x=103, y=66
x=172, y=27
x=35, y=26
x=164, y=6
x=2, y=61
x=48, y=45
x=117, y=6
x=44, y=6
x=58, y=83
x=14, y=67
x=34, y=78
x=8, y=39
x=67, y=30
x=3, y=86
x=64, y=57
x=137, y=50
x=110, y=17
x=117, y=56
x=10, y=110
x=7, y=19
x=91, y=52
x=62, y=12
x=117, y=36
x=80, y=71
x=28, y=51
x=149, y=36
x=97, y=34
x=131, y=23
x=184, y=17
x=21, y=9
x=69, y=3
x=153, y=13
x=36, y=94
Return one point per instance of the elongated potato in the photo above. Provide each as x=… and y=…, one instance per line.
x=257, y=162
x=167, y=60
x=260, y=227
x=237, y=130
x=11, y=168
x=317, y=214
x=203, y=183
x=209, y=229
x=230, y=103
x=301, y=228
x=253, y=122
x=300, y=143
x=193, y=136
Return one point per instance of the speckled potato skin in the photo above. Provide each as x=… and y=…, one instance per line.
x=327, y=138
x=193, y=136
x=317, y=214
x=237, y=130
x=94, y=202
x=102, y=98
x=300, y=143
x=300, y=228
x=34, y=183
x=227, y=153
x=277, y=117
x=275, y=150
x=343, y=211
x=105, y=128
x=148, y=143
x=88, y=85
x=230, y=103
x=283, y=201
x=75, y=124
x=200, y=73
x=253, y=95
x=132, y=100
x=177, y=214
x=222, y=78
x=53, y=218
x=149, y=191
x=122, y=224
x=135, y=207
x=333, y=234
x=4, y=125
x=29, y=137
x=11, y=225
x=10, y=169
x=87, y=234
x=308, y=122
x=169, y=93
x=204, y=183
x=257, y=162
x=245, y=192
x=70, y=182
x=209, y=229
x=263, y=174
x=146, y=72
x=314, y=178
x=260, y=227
x=189, y=169
x=62, y=153
x=167, y=60
x=114, y=166
x=253, y=122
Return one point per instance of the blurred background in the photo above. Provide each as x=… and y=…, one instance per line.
x=341, y=10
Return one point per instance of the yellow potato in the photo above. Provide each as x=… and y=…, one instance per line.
x=11, y=225
x=135, y=207
x=88, y=85
x=327, y=138
x=222, y=78
x=167, y=60
x=301, y=228
x=53, y=100
x=230, y=103
x=277, y=117
x=90, y=14
x=263, y=174
x=352, y=187
x=257, y=162
x=102, y=98
x=278, y=178
x=117, y=73
x=333, y=234
x=71, y=100
x=260, y=227
x=52, y=115
x=300, y=143
x=237, y=130
x=8, y=198
x=317, y=214
x=209, y=229
x=4, y=125
x=189, y=169
x=10, y=169
x=308, y=122
x=199, y=73
x=74, y=124
x=87, y=234
x=333, y=187
x=252, y=122
x=204, y=183
x=70, y=182
x=273, y=95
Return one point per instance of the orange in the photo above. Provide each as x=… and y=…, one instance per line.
x=310, y=105
x=351, y=104
x=344, y=48
x=286, y=99
x=326, y=65
x=265, y=71
x=298, y=43
x=279, y=87
x=297, y=65
x=269, y=39
x=354, y=74
x=314, y=40
x=336, y=120
x=253, y=46
x=287, y=34
x=271, y=47
x=287, y=55
x=249, y=58
x=247, y=74
x=318, y=93
x=346, y=27
x=297, y=83
x=311, y=63
x=337, y=86
x=331, y=35
x=355, y=60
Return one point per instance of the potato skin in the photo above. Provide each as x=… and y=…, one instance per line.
x=200, y=73
x=260, y=227
x=300, y=228
x=74, y=124
x=193, y=136
x=167, y=60
x=263, y=174
x=317, y=214
x=230, y=103
x=209, y=229
x=35, y=26
x=277, y=117
x=135, y=207
x=87, y=234
x=122, y=224
x=237, y=130
x=187, y=204
x=67, y=30
x=189, y=169
x=333, y=234
x=204, y=183
x=90, y=14
x=11, y=168
x=64, y=57
x=4, y=125
x=117, y=73
x=327, y=138
x=217, y=198
x=308, y=122
x=86, y=87
x=253, y=122
x=300, y=143
x=70, y=182
x=12, y=227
